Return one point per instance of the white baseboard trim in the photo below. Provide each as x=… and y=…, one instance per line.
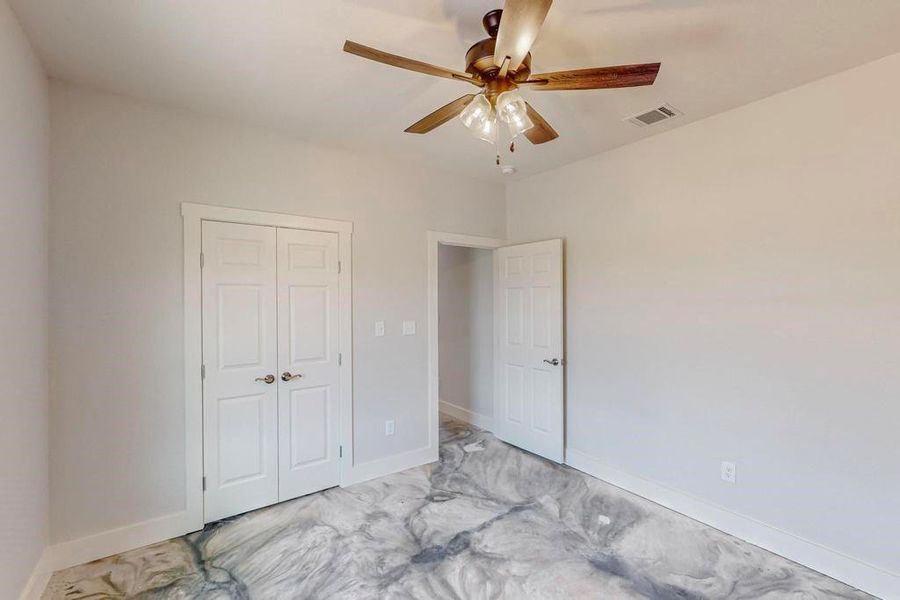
x=106, y=543
x=114, y=541
x=862, y=575
x=390, y=464
x=40, y=576
x=468, y=416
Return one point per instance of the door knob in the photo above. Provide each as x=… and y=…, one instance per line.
x=286, y=376
x=267, y=379
x=554, y=362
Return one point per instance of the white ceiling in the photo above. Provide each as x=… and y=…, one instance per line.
x=279, y=63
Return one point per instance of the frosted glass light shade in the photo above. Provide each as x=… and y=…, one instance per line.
x=512, y=110
x=487, y=130
x=479, y=118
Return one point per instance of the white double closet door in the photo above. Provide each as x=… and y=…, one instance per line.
x=272, y=373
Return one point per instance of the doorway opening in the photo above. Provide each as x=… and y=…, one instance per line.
x=443, y=250
x=466, y=334
x=520, y=343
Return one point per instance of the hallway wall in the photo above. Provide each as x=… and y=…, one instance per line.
x=466, y=336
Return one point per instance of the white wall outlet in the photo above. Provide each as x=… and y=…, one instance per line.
x=729, y=472
x=379, y=328
x=409, y=328
x=389, y=427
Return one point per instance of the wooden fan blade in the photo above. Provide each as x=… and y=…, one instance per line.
x=519, y=26
x=406, y=63
x=595, y=79
x=441, y=115
x=542, y=132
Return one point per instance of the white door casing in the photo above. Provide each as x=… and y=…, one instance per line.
x=240, y=410
x=308, y=349
x=528, y=304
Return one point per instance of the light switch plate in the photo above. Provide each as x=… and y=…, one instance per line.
x=379, y=328
x=409, y=328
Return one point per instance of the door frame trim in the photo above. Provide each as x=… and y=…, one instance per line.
x=193, y=216
x=435, y=240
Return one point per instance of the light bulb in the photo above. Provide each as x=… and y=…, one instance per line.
x=479, y=118
x=514, y=112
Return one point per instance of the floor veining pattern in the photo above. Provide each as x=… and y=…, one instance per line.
x=487, y=521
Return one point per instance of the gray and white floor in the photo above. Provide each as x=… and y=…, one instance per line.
x=488, y=521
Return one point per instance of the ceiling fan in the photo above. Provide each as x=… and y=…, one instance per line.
x=501, y=64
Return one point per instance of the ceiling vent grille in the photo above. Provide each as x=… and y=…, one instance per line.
x=657, y=115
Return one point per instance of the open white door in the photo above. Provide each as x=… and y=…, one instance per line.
x=529, y=362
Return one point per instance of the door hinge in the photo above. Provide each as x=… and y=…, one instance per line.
x=202, y=260
x=340, y=452
x=340, y=266
x=204, y=483
x=340, y=359
x=202, y=371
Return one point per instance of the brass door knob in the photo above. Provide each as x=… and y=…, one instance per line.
x=286, y=376
x=267, y=379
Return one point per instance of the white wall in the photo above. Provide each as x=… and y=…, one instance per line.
x=120, y=170
x=466, y=342
x=733, y=293
x=24, y=139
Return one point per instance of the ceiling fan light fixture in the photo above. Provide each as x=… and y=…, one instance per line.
x=503, y=62
x=479, y=118
x=514, y=112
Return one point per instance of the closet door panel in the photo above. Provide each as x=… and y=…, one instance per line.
x=309, y=376
x=240, y=410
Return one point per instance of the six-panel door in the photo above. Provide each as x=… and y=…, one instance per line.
x=308, y=335
x=271, y=360
x=240, y=410
x=528, y=328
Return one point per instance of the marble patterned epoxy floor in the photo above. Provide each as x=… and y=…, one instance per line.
x=488, y=521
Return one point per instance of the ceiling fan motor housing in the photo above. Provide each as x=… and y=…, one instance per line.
x=480, y=57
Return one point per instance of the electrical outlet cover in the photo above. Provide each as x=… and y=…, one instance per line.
x=729, y=472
